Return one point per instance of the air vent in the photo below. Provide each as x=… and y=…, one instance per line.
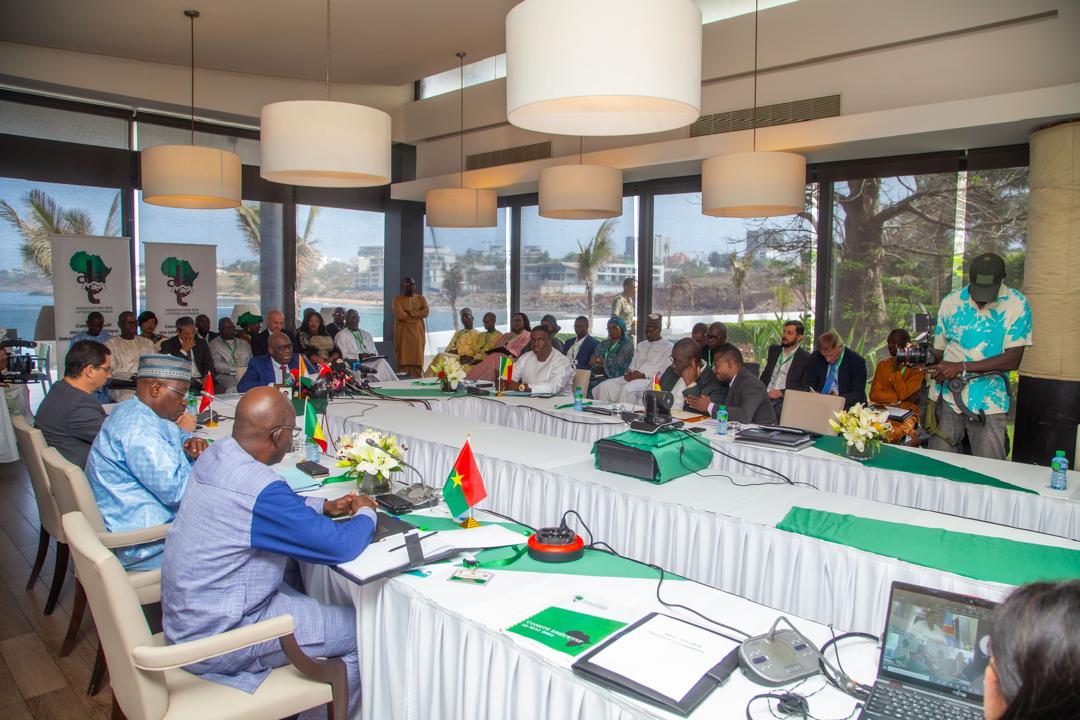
x=508, y=156
x=767, y=115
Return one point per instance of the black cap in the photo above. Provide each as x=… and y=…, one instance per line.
x=984, y=276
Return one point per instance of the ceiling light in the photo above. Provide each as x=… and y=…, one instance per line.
x=753, y=184
x=320, y=143
x=580, y=192
x=603, y=67
x=461, y=207
x=190, y=176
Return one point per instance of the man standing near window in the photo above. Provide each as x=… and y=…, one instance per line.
x=624, y=305
x=410, y=314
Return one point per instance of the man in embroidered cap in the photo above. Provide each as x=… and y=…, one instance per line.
x=140, y=461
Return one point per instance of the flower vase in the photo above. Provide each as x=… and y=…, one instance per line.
x=867, y=453
x=373, y=484
x=444, y=384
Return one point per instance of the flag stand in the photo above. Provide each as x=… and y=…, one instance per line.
x=469, y=522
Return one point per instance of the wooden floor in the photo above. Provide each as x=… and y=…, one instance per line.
x=35, y=682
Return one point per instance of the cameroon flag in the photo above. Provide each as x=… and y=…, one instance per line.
x=464, y=487
x=311, y=426
x=506, y=367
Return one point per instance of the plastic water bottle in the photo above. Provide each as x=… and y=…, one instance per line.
x=193, y=404
x=721, y=420
x=579, y=403
x=1059, y=466
x=312, y=452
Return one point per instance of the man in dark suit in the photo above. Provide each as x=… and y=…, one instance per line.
x=186, y=344
x=339, y=322
x=747, y=399
x=275, y=323
x=272, y=369
x=786, y=364
x=690, y=380
x=580, y=351
x=836, y=370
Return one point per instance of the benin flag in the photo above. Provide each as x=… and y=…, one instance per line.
x=464, y=487
x=208, y=388
x=506, y=367
x=311, y=426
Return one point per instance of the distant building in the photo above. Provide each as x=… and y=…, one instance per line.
x=369, y=267
x=437, y=260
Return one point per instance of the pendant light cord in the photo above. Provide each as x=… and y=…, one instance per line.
x=461, y=117
x=328, y=50
x=192, y=14
x=753, y=113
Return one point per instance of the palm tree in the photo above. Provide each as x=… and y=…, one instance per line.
x=48, y=218
x=307, y=257
x=452, y=284
x=740, y=268
x=591, y=256
x=680, y=285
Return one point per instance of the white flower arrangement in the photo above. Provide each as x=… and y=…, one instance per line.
x=448, y=368
x=861, y=426
x=378, y=460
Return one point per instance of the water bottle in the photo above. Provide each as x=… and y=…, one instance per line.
x=312, y=452
x=193, y=404
x=579, y=403
x=1059, y=466
x=721, y=420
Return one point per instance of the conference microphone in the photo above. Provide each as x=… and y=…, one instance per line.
x=372, y=443
x=215, y=398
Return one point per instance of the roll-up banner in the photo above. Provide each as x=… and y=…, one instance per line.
x=89, y=273
x=181, y=280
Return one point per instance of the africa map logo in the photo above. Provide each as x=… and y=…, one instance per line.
x=91, y=272
x=181, y=277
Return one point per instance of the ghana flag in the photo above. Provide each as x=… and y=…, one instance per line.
x=464, y=487
x=311, y=426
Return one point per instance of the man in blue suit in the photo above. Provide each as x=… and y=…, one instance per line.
x=581, y=350
x=272, y=369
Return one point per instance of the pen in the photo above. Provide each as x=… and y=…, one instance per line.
x=422, y=538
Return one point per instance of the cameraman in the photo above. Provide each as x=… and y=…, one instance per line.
x=981, y=328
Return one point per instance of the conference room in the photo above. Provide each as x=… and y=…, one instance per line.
x=539, y=359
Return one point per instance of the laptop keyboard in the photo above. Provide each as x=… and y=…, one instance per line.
x=893, y=703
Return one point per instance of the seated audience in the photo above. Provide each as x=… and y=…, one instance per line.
x=275, y=323
x=313, y=334
x=453, y=348
x=69, y=417
x=485, y=342
x=612, y=356
x=553, y=327
x=652, y=356
x=581, y=350
x=785, y=364
x=238, y=526
x=357, y=345
x=747, y=400
x=202, y=328
x=95, y=329
x=187, y=345
x=273, y=369
x=230, y=354
x=147, y=326
x=836, y=370
x=688, y=377
x=1035, y=654
x=899, y=386
x=543, y=370
x=699, y=333
x=250, y=326
x=715, y=338
x=139, y=463
x=514, y=343
x=127, y=348
x=339, y=322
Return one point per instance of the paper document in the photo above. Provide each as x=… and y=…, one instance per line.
x=485, y=536
x=297, y=479
x=387, y=556
x=665, y=654
x=573, y=626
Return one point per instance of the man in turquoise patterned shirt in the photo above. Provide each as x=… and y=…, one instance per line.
x=981, y=328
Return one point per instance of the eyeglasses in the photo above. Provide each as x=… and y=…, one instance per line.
x=107, y=369
x=291, y=428
x=284, y=346
x=181, y=393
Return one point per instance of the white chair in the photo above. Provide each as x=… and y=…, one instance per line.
x=31, y=445
x=147, y=680
x=810, y=411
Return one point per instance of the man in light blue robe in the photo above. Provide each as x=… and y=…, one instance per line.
x=237, y=528
x=140, y=461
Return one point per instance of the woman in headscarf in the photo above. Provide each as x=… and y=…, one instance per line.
x=514, y=342
x=147, y=325
x=552, y=325
x=612, y=357
x=312, y=334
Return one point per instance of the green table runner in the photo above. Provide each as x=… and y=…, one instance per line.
x=891, y=458
x=974, y=556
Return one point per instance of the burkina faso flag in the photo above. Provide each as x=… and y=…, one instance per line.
x=464, y=487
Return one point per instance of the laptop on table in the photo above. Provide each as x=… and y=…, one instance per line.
x=934, y=652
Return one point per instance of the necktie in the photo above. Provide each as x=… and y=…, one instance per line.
x=284, y=374
x=830, y=379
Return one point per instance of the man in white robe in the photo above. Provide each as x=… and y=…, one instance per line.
x=126, y=349
x=652, y=357
x=355, y=343
x=543, y=370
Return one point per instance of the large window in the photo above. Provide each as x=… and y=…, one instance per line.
x=339, y=261
x=750, y=274
x=576, y=267
x=481, y=71
x=464, y=267
x=29, y=213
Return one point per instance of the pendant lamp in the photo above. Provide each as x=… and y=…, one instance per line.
x=321, y=143
x=190, y=176
x=461, y=207
x=603, y=67
x=580, y=192
x=753, y=184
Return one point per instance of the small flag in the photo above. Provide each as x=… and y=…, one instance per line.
x=656, y=381
x=208, y=388
x=311, y=426
x=464, y=487
x=506, y=367
x=305, y=374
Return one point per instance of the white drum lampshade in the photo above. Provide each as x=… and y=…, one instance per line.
x=603, y=67
x=753, y=184
x=190, y=176
x=321, y=143
x=461, y=208
x=580, y=192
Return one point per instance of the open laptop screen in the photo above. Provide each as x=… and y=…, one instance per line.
x=937, y=640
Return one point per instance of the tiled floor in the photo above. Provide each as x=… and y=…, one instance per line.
x=35, y=682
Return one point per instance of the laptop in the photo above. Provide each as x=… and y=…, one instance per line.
x=935, y=648
x=810, y=411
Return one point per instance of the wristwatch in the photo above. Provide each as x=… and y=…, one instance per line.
x=521, y=387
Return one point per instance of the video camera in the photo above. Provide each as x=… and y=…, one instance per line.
x=922, y=352
x=21, y=368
